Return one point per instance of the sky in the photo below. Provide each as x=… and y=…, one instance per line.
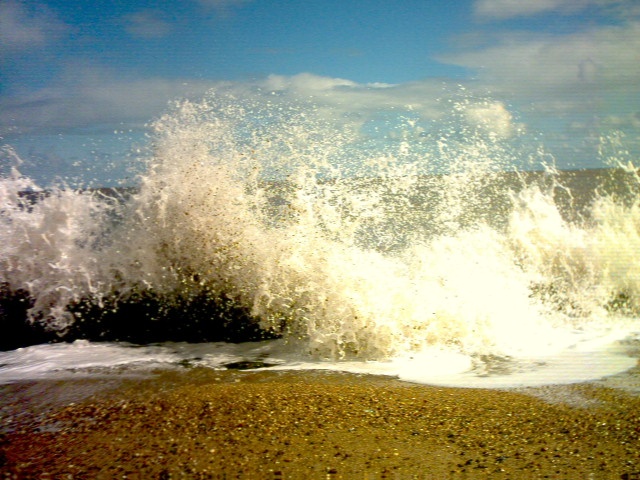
x=80, y=81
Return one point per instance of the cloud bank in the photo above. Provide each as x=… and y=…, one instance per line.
x=560, y=73
x=95, y=100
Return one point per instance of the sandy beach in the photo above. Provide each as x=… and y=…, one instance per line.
x=259, y=424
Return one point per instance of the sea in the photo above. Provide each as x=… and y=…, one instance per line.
x=277, y=237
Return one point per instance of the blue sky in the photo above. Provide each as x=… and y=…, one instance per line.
x=79, y=80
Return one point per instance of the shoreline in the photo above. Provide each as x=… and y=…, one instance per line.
x=204, y=423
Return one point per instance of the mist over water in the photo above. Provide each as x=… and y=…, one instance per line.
x=278, y=220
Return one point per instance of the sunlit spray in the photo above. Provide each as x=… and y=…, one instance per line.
x=349, y=249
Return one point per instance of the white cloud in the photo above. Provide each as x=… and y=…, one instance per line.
x=505, y=9
x=93, y=98
x=623, y=9
x=147, y=24
x=305, y=83
x=341, y=97
x=570, y=70
x=499, y=9
x=25, y=25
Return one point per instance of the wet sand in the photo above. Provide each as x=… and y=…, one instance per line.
x=254, y=425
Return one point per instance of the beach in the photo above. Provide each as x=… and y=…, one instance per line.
x=203, y=423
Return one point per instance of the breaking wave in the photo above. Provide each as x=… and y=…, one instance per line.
x=258, y=221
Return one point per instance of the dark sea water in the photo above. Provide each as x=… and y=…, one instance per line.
x=285, y=243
